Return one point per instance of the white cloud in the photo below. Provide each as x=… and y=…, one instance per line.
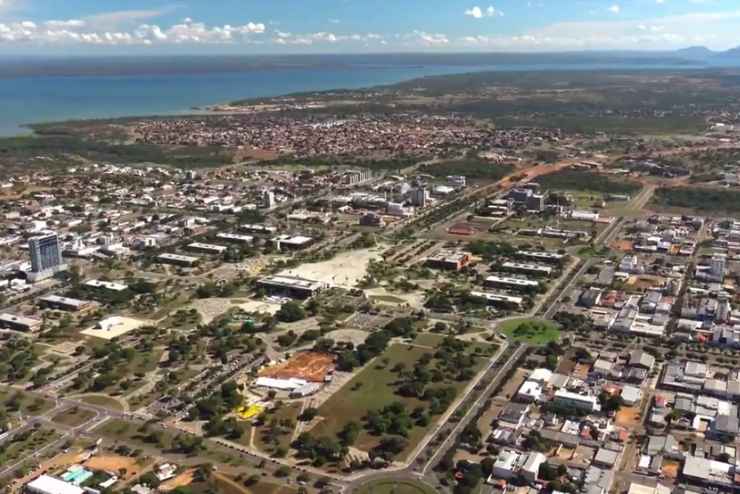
x=477, y=12
x=713, y=29
x=85, y=32
x=309, y=39
x=615, y=9
x=428, y=39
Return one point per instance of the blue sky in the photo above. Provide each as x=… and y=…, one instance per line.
x=336, y=26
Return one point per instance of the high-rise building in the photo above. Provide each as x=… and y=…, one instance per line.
x=268, y=199
x=718, y=268
x=419, y=197
x=46, y=257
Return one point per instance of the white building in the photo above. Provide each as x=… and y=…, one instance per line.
x=50, y=485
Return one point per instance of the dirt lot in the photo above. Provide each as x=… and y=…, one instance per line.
x=343, y=270
x=311, y=366
x=182, y=480
x=670, y=469
x=622, y=245
x=628, y=417
x=113, y=463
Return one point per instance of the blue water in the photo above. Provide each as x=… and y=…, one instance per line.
x=26, y=100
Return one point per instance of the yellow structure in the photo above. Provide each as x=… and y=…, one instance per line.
x=249, y=412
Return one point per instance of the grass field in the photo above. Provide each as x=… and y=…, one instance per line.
x=531, y=331
x=129, y=433
x=73, y=417
x=394, y=487
x=265, y=439
x=16, y=400
x=102, y=401
x=372, y=389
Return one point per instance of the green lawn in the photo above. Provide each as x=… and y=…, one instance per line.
x=531, y=331
x=134, y=435
x=73, y=417
x=102, y=401
x=16, y=400
x=264, y=438
x=374, y=388
x=395, y=487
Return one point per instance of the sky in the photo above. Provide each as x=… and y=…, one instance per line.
x=99, y=27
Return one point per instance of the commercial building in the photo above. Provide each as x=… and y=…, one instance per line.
x=707, y=472
x=55, y=302
x=178, y=260
x=449, y=260
x=529, y=269
x=207, y=248
x=289, y=286
x=500, y=300
x=46, y=257
x=286, y=242
x=457, y=181
x=547, y=257
x=372, y=219
x=260, y=229
x=106, y=285
x=46, y=484
x=511, y=283
x=587, y=403
x=19, y=323
x=235, y=238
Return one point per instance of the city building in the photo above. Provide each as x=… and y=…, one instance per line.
x=457, y=181
x=511, y=283
x=106, y=285
x=372, y=219
x=587, y=403
x=268, y=199
x=19, y=323
x=529, y=269
x=290, y=286
x=46, y=257
x=235, y=238
x=55, y=302
x=292, y=243
x=207, y=248
x=546, y=257
x=46, y=484
x=500, y=300
x=448, y=260
x=178, y=260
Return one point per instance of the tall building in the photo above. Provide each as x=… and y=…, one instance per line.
x=718, y=268
x=268, y=199
x=419, y=197
x=46, y=257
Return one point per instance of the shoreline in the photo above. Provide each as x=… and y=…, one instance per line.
x=226, y=107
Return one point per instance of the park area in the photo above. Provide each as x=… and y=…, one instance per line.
x=531, y=331
x=377, y=386
x=395, y=487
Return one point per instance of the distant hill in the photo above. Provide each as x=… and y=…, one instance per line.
x=696, y=53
